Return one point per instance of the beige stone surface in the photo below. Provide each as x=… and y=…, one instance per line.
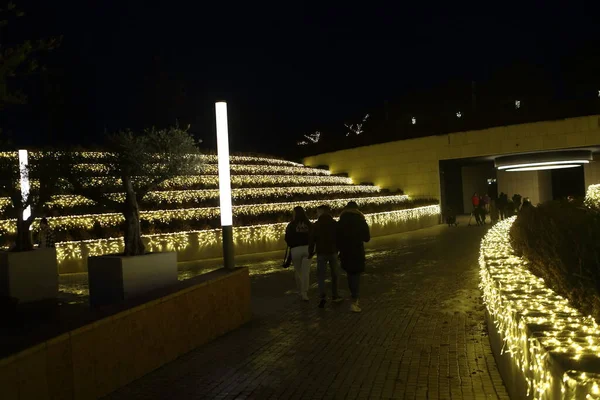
x=413, y=165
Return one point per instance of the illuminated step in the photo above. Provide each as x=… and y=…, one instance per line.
x=87, y=221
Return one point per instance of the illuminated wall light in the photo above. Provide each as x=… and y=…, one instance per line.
x=413, y=120
x=459, y=114
x=24, y=181
x=544, y=167
x=545, y=163
x=517, y=104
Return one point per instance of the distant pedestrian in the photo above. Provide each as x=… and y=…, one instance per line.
x=502, y=205
x=486, y=202
x=475, y=201
x=494, y=215
x=46, y=235
x=352, y=234
x=297, y=238
x=323, y=243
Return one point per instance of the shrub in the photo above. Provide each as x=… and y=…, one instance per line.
x=562, y=243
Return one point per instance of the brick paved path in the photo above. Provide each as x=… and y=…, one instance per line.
x=421, y=334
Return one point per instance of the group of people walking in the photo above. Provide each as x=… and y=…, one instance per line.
x=333, y=243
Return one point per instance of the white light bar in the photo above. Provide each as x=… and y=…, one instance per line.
x=223, y=162
x=24, y=181
x=543, y=163
x=544, y=167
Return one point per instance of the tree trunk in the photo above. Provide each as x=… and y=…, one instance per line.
x=133, y=233
x=24, y=240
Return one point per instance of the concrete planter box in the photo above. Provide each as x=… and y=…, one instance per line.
x=29, y=275
x=116, y=278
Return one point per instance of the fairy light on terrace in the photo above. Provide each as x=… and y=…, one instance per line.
x=516, y=299
x=592, y=197
x=87, y=221
x=198, y=196
x=243, y=235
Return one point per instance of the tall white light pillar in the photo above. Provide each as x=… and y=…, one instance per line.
x=224, y=183
x=25, y=188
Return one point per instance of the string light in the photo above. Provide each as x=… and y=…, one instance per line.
x=87, y=221
x=211, y=169
x=199, y=196
x=592, y=197
x=203, y=158
x=75, y=251
x=540, y=329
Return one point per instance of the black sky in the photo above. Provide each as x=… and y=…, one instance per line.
x=285, y=69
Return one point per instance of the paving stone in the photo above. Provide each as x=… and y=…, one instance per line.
x=421, y=334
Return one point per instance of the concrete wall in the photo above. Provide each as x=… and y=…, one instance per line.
x=413, y=165
x=537, y=185
x=96, y=359
x=592, y=171
x=474, y=179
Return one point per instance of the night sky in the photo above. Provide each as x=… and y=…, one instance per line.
x=285, y=69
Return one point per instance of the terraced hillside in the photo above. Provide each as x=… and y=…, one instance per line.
x=184, y=213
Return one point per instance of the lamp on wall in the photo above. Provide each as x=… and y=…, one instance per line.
x=224, y=183
x=544, y=161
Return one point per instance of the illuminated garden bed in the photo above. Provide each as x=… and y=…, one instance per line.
x=552, y=346
x=204, y=244
x=592, y=197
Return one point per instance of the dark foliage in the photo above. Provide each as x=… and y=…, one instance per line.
x=562, y=242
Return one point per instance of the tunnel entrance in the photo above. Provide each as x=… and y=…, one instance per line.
x=460, y=179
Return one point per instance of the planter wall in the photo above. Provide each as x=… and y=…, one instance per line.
x=200, y=245
x=114, y=278
x=29, y=275
x=96, y=359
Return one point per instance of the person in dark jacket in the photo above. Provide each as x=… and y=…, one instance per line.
x=46, y=235
x=322, y=242
x=297, y=236
x=352, y=233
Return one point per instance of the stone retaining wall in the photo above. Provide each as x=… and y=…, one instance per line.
x=98, y=358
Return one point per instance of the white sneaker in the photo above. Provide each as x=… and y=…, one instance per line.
x=354, y=307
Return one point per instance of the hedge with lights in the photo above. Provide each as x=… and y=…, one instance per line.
x=210, y=169
x=206, y=243
x=592, y=197
x=210, y=197
x=212, y=181
x=556, y=347
x=97, y=156
x=206, y=217
x=562, y=243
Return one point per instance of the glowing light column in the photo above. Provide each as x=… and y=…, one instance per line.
x=24, y=174
x=224, y=183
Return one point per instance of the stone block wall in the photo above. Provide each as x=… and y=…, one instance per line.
x=96, y=359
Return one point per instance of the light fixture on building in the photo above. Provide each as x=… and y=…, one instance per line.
x=517, y=104
x=224, y=183
x=544, y=161
x=413, y=120
x=459, y=115
x=491, y=181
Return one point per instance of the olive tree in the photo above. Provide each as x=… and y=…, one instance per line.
x=141, y=162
